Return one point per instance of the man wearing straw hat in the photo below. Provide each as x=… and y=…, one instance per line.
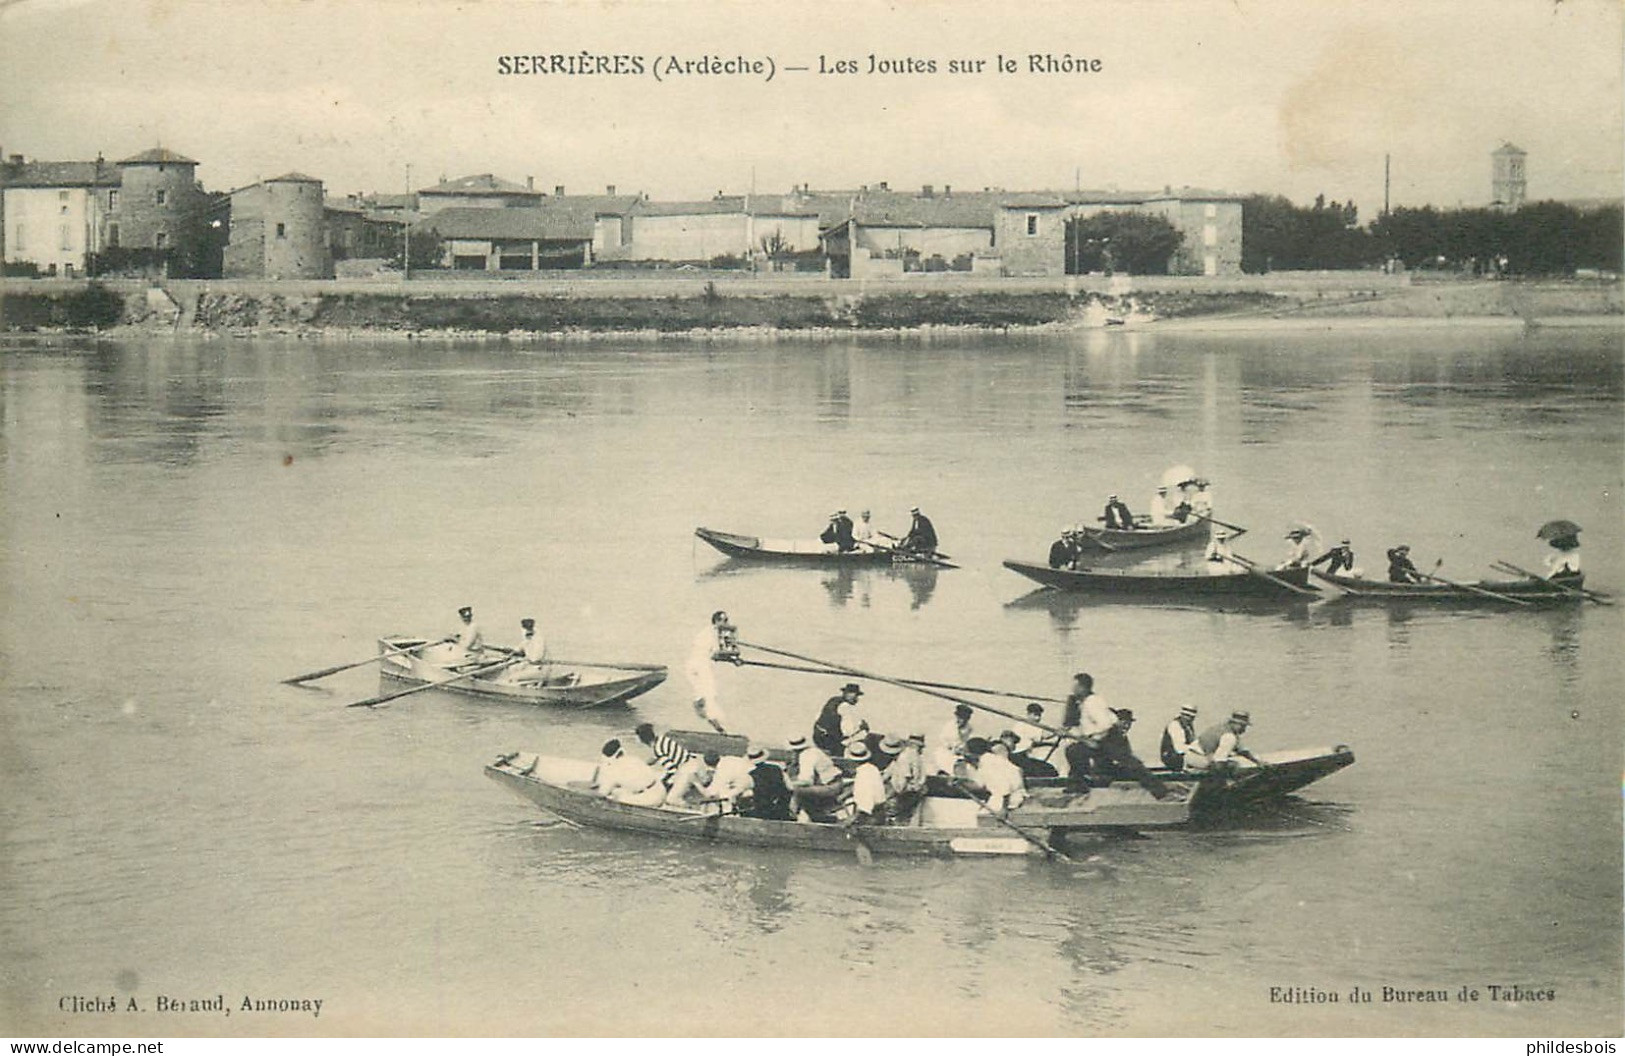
x=1220, y=746
x=1178, y=738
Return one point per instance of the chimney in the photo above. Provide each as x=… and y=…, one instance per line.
x=927, y=191
x=610, y=190
x=883, y=186
x=947, y=190
x=1167, y=188
x=558, y=191
x=530, y=183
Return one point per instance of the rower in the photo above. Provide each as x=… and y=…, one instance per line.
x=869, y=798
x=470, y=641
x=1063, y=553
x=864, y=530
x=1400, y=568
x=1002, y=779
x=1117, y=514
x=922, y=535
x=951, y=741
x=627, y=780
x=770, y=798
x=1218, y=553
x=839, y=533
x=815, y=781
x=669, y=754
x=688, y=784
x=730, y=780
x=533, y=654
x=1220, y=746
x=1178, y=737
x=1297, y=555
x=1339, y=559
x=1088, y=719
x=1115, y=759
x=1201, y=503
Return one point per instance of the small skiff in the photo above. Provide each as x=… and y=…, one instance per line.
x=804, y=551
x=1191, y=533
x=568, y=683
x=1532, y=591
x=1234, y=583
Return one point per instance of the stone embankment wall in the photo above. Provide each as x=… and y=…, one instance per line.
x=706, y=303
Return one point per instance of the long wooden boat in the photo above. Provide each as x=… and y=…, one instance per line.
x=941, y=826
x=1229, y=584
x=571, y=684
x=1533, y=591
x=1211, y=794
x=1193, y=532
x=800, y=551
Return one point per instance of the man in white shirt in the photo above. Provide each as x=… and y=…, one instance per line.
x=532, y=666
x=864, y=530
x=1220, y=746
x=1001, y=778
x=1090, y=718
x=815, y=780
x=627, y=780
x=730, y=779
x=716, y=639
x=868, y=788
x=1159, y=508
x=1299, y=553
x=470, y=641
x=1218, y=554
x=690, y=780
x=951, y=741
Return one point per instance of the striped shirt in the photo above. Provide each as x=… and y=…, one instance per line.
x=669, y=754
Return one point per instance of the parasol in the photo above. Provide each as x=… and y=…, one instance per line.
x=1558, y=529
x=1178, y=476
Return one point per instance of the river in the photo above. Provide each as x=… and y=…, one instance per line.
x=186, y=523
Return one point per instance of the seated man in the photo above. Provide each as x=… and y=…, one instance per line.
x=688, y=783
x=839, y=532
x=1021, y=755
x=769, y=797
x=815, y=781
x=627, y=780
x=669, y=755
x=1220, y=746
x=922, y=534
x=1063, y=553
x=870, y=800
x=1400, y=568
x=1000, y=778
x=1117, y=514
x=1178, y=737
x=1115, y=759
x=1339, y=560
x=1218, y=554
x=730, y=780
x=905, y=774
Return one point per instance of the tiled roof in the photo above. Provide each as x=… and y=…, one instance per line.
x=293, y=177
x=158, y=156
x=759, y=205
x=521, y=224
x=597, y=204
x=484, y=183
x=59, y=174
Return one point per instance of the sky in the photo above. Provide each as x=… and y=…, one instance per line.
x=1295, y=98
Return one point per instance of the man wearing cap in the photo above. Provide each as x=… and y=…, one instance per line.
x=836, y=720
x=1024, y=739
x=905, y=774
x=1088, y=719
x=715, y=642
x=627, y=780
x=470, y=641
x=1115, y=759
x=868, y=788
x=1063, y=553
x=532, y=655
x=770, y=798
x=921, y=537
x=1178, y=737
x=1339, y=559
x=1117, y=514
x=1400, y=569
x=815, y=780
x=1220, y=746
x=951, y=741
x=839, y=532
x=1298, y=553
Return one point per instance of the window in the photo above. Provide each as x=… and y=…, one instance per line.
x=161, y=241
x=1210, y=235
x=282, y=230
x=1210, y=211
x=112, y=236
x=62, y=203
x=1032, y=223
x=112, y=200
x=19, y=236
x=162, y=196
x=65, y=236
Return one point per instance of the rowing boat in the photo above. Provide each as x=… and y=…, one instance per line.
x=571, y=684
x=1229, y=584
x=1533, y=591
x=1192, y=532
x=1212, y=794
x=940, y=826
x=810, y=551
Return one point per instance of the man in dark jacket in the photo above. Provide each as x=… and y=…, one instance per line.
x=921, y=537
x=1400, y=569
x=770, y=795
x=1117, y=514
x=1063, y=553
x=839, y=532
x=1338, y=559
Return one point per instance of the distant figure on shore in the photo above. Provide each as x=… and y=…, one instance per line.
x=1117, y=514
x=1400, y=568
x=1338, y=560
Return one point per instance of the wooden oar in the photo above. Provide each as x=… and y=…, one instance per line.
x=905, y=681
x=1469, y=586
x=1043, y=845
x=324, y=672
x=1335, y=585
x=935, y=556
x=1277, y=580
x=373, y=702
x=855, y=673
x=1580, y=592
x=1238, y=529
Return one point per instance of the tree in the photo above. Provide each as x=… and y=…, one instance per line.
x=1137, y=243
x=425, y=246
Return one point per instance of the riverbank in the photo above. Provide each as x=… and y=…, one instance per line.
x=750, y=306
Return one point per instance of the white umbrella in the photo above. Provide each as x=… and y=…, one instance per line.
x=1178, y=476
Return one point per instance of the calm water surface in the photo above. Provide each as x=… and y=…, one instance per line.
x=185, y=524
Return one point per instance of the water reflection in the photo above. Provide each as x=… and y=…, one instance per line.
x=858, y=586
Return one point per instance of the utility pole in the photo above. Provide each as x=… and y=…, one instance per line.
x=406, y=228
x=1386, y=159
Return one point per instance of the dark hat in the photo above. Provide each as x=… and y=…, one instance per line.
x=711, y=758
x=1008, y=735
x=1296, y=533
x=1109, y=498
x=977, y=746
x=1241, y=716
x=466, y=610
x=1124, y=714
x=720, y=616
x=528, y=624
x=644, y=728
x=853, y=688
x=1402, y=549
x=1345, y=542
x=1035, y=709
x=1004, y=740
x=612, y=747
x=859, y=750
x=962, y=710
x=798, y=742
x=757, y=753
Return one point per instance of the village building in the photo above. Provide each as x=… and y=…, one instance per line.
x=483, y=191
x=546, y=237
x=279, y=230
x=732, y=227
x=54, y=215
x=1509, y=180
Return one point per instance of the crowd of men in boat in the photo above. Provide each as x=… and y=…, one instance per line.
x=843, y=771
x=845, y=536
